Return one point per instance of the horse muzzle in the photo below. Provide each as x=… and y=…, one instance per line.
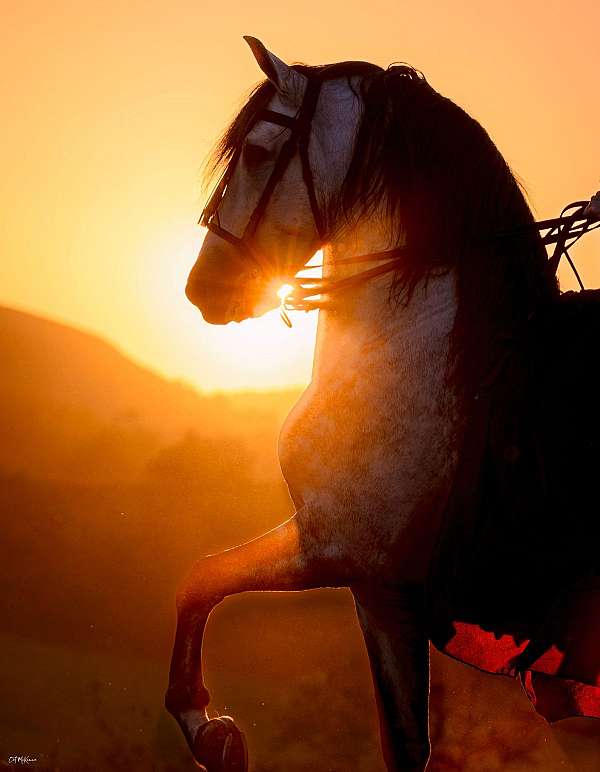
x=218, y=302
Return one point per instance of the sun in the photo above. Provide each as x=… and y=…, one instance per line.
x=284, y=291
x=256, y=354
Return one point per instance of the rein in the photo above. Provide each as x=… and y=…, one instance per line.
x=305, y=293
x=563, y=231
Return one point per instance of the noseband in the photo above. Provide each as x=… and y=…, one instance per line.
x=299, y=126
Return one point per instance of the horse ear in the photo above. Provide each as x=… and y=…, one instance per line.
x=285, y=79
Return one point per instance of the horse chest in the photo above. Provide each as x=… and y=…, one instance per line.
x=363, y=447
x=368, y=442
x=341, y=426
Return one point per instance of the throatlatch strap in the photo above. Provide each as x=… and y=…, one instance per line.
x=309, y=105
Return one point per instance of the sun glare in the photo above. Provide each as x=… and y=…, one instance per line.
x=259, y=353
x=284, y=291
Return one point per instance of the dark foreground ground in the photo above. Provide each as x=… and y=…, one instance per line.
x=112, y=481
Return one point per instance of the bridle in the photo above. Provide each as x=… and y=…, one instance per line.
x=299, y=126
x=306, y=293
x=300, y=129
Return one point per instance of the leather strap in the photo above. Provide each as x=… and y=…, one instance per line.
x=299, y=139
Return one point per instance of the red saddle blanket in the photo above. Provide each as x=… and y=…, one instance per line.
x=515, y=586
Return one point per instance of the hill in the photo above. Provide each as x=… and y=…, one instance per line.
x=113, y=481
x=66, y=395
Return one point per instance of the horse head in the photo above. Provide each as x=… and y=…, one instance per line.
x=281, y=160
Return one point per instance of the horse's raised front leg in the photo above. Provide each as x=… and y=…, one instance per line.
x=392, y=624
x=278, y=560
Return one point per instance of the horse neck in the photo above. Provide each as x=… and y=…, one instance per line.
x=362, y=328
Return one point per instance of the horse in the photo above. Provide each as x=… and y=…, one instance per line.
x=370, y=165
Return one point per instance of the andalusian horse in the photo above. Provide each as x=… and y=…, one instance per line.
x=396, y=183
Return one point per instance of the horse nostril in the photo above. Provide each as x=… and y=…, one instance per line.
x=191, y=292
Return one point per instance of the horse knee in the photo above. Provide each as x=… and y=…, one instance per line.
x=200, y=588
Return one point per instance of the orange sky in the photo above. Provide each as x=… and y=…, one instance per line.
x=110, y=107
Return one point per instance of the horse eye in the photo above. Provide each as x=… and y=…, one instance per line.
x=254, y=155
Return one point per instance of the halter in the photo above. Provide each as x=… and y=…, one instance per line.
x=305, y=293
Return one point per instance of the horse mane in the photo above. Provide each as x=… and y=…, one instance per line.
x=448, y=194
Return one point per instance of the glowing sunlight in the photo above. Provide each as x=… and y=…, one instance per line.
x=257, y=353
x=102, y=158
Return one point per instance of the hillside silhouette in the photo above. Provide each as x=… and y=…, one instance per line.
x=113, y=480
x=72, y=401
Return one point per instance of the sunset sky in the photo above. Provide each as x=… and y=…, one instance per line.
x=109, y=109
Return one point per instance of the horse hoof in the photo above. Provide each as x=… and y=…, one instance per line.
x=219, y=746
